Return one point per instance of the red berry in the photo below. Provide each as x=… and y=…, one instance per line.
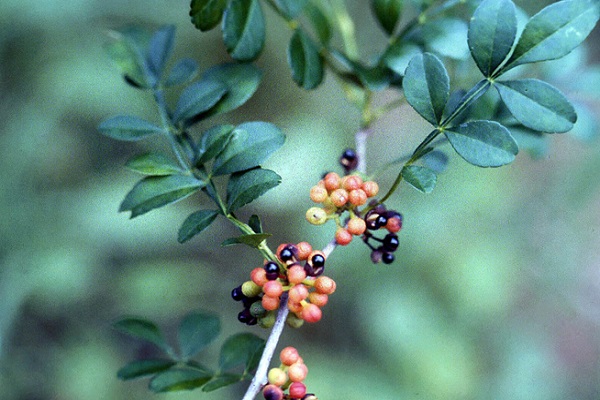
x=289, y=355
x=394, y=224
x=259, y=276
x=343, y=237
x=296, y=274
x=370, y=188
x=357, y=197
x=273, y=288
x=297, y=372
x=318, y=299
x=351, y=182
x=339, y=197
x=298, y=293
x=304, y=250
x=311, y=313
x=297, y=390
x=325, y=285
x=356, y=226
x=270, y=303
x=332, y=181
x=295, y=307
x=318, y=194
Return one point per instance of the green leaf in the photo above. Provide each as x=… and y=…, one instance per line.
x=198, y=98
x=375, y=78
x=250, y=145
x=241, y=81
x=154, y=164
x=427, y=86
x=253, y=240
x=157, y=191
x=483, y=143
x=319, y=22
x=446, y=37
x=127, y=50
x=239, y=350
x=183, y=71
x=534, y=142
x=221, y=380
x=139, y=368
x=213, y=141
x=305, y=61
x=142, y=329
x=291, y=8
x=179, y=379
x=398, y=55
x=554, y=32
x=206, y=14
x=435, y=160
x=492, y=32
x=537, y=105
x=255, y=224
x=388, y=13
x=160, y=49
x=196, y=223
x=246, y=186
x=128, y=128
x=421, y=178
x=244, y=29
x=197, y=330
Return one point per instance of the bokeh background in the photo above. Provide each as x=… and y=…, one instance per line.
x=495, y=293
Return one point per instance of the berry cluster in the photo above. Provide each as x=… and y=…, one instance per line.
x=349, y=193
x=303, y=286
x=288, y=376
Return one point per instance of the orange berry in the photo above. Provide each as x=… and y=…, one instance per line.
x=270, y=303
x=325, y=285
x=318, y=194
x=298, y=293
x=311, y=313
x=289, y=355
x=332, y=181
x=371, y=188
x=318, y=299
x=343, y=237
x=357, y=197
x=356, y=226
x=339, y=197
x=394, y=224
x=259, y=276
x=351, y=182
x=297, y=372
x=273, y=288
x=296, y=274
x=295, y=307
x=304, y=250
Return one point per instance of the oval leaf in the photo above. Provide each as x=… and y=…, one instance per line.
x=446, y=37
x=247, y=186
x=305, y=61
x=251, y=144
x=427, y=86
x=183, y=71
x=196, y=331
x=140, y=368
x=398, y=55
x=483, y=143
x=291, y=8
x=196, y=223
x=197, y=98
x=537, y=105
x=319, y=22
x=153, y=164
x=128, y=128
x=492, y=32
x=387, y=13
x=555, y=31
x=220, y=381
x=157, y=191
x=239, y=350
x=206, y=14
x=241, y=81
x=421, y=178
x=213, y=141
x=142, y=329
x=179, y=379
x=160, y=48
x=253, y=240
x=244, y=29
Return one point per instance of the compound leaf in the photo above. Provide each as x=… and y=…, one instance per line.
x=244, y=29
x=537, y=105
x=196, y=223
x=142, y=329
x=160, y=49
x=244, y=187
x=128, y=128
x=157, y=191
x=154, y=164
x=492, y=32
x=213, y=141
x=555, y=31
x=387, y=13
x=427, y=86
x=398, y=55
x=241, y=81
x=139, y=368
x=176, y=379
x=305, y=61
x=421, y=178
x=221, y=380
x=483, y=143
x=183, y=71
x=239, y=350
x=253, y=240
x=198, y=98
x=291, y=8
x=196, y=331
x=206, y=14
x=319, y=22
x=251, y=144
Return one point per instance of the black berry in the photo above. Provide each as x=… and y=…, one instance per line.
x=349, y=160
x=318, y=261
x=244, y=316
x=387, y=258
x=390, y=242
x=237, y=294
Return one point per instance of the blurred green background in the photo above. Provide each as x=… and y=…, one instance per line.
x=495, y=293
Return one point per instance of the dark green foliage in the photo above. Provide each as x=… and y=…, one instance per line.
x=388, y=13
x=198, y=98
x=196, y=331
x=206, y=14
x=421, y=178
x=244, y=29
x=305, y=61
x=241, y=81
x=427, y=87
x=128, y=128
x=154, y=164
x=244, y=187
x=141, y=368
x=252, y=240
x=240, y=350
x=196, y=223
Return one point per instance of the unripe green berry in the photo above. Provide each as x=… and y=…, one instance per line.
x=316, y=216
x=257, y=310
x=251, y=289
x=294, y=321
x=268, y=320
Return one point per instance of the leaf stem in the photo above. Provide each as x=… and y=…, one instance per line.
x=159, y=97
